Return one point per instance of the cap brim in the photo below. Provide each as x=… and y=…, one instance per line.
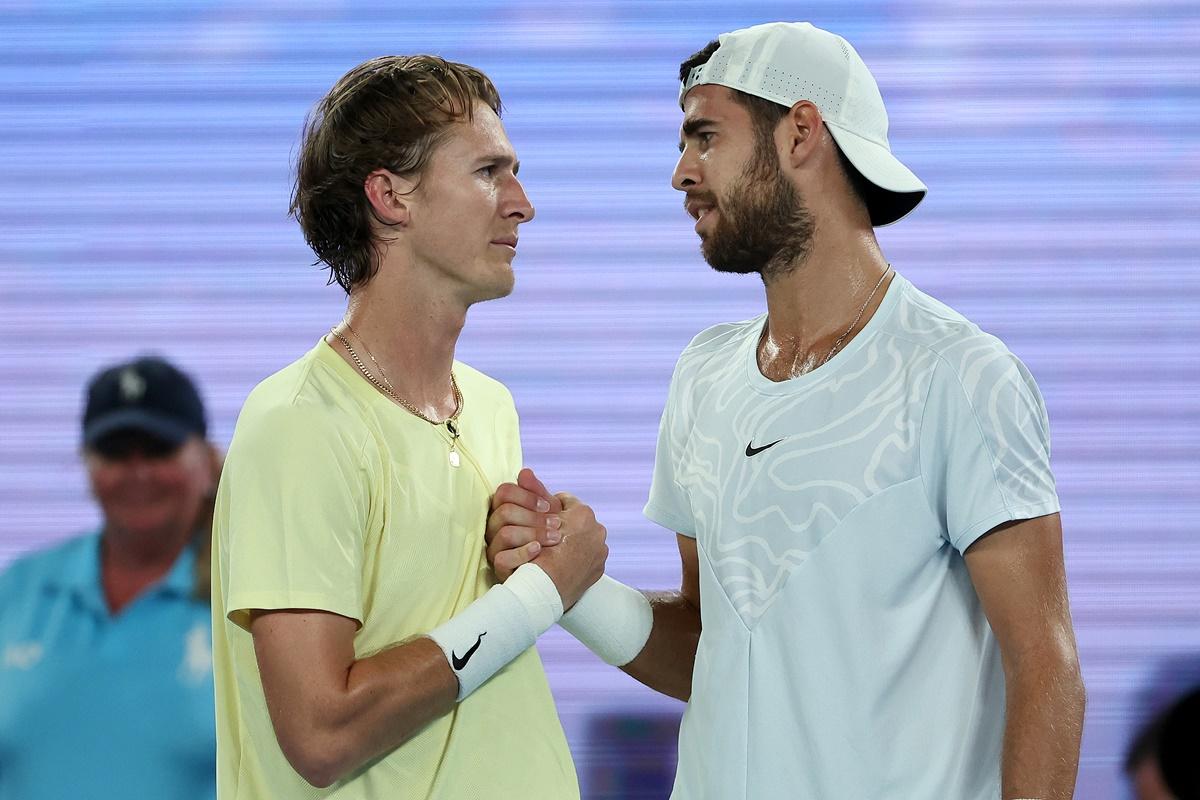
x=900, y=191
x=135, y=419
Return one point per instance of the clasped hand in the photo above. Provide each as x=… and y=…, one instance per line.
x=528, y=523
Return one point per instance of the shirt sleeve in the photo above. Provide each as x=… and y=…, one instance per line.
x=668, y=504
x=985, y=443
x=294, y=513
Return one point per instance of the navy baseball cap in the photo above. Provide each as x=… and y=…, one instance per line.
x=149, y=395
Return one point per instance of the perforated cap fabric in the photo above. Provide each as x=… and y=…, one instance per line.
x=786, y=62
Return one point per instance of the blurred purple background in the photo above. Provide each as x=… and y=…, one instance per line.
x=145, y=154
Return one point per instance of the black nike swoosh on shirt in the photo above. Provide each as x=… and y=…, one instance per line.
x=751, y=450
x=459, y=663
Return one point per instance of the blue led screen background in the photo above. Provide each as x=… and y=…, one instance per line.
x=145, y=153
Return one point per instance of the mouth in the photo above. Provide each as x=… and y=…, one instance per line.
x=698, y=210
x=506, y=241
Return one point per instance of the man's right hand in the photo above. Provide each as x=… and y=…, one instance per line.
x=573, y=555
x=524, y=519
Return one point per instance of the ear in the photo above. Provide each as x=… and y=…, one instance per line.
x=388, y=195
x=801, y=130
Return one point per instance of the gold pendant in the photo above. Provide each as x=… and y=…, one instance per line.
x=452, y=429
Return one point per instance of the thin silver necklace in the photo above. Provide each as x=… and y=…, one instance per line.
x=841, y=339
x=857, y=317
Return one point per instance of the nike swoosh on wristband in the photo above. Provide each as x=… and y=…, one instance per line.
x=459, y=663
x=751, y=450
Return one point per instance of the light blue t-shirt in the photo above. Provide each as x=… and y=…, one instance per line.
x=95, y=706
x=844, y=651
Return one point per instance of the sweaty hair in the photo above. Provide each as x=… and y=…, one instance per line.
x=765, y=115
x=388, y=113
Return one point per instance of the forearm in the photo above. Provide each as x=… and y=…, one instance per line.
x=330, y=720
x=333, y=712
x=387, y=698
x=652, y=636
x=665, y=662
x=1044, y=721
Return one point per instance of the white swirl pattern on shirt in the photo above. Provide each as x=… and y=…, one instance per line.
x=843, y=440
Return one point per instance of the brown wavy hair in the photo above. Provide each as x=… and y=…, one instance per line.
x=390, y=112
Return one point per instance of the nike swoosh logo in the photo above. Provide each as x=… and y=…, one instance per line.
x=751, y=450
x=459, y=663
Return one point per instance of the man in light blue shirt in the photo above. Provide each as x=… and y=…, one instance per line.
x=106, y=684
x=873, y=599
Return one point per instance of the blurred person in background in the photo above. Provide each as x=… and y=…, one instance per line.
x=1163, y=762
x=1178, y=751
x=106, y=672
x=1142, y=766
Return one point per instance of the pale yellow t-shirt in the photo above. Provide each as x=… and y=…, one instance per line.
x=334, y=498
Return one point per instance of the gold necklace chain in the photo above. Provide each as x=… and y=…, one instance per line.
x=857, y=317
x=382, y=373
x=450, y=422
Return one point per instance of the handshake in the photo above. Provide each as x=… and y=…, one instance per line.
x=557, y=532
x=548, y=552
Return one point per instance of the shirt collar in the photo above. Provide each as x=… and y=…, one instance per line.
x=180, y=579
x=79, y=573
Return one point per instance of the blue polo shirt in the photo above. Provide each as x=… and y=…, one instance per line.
x=96, y=706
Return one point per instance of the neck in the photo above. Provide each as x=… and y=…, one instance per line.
x=130, y=563
x=412, y=333
x=811, y=305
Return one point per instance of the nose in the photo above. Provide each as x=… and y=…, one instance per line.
x=519, y=207
x=140, y=465
x=687, y=173
x=133, y=466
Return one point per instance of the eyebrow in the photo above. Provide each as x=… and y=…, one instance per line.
x=691, y=126
x=501, y=160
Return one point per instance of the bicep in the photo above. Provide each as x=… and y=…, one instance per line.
x=1018, y=573
x=304, y=658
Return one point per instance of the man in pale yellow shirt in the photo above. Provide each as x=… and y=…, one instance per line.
x=362, y=647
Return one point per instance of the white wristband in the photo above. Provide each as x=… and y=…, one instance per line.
x=482, y=638
x=612, y=619
x=537, y=592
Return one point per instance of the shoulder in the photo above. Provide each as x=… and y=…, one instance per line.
x=308, y=384
x=719, y=337
x=967, y=356
x=305, y=401
x=29, y=572
x=306, y=392
x=716, y=342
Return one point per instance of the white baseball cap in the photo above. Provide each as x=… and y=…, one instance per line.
x=786, y=62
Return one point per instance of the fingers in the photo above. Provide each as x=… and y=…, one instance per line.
x=518, y=496
x=512, y=527
x=507, y=561
x=579, y=561
x=530, y=482
x=510, y=537
x=508, y=514
x=527, y=480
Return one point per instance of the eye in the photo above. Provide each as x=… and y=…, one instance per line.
x=488, y=171
x=705, y=137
